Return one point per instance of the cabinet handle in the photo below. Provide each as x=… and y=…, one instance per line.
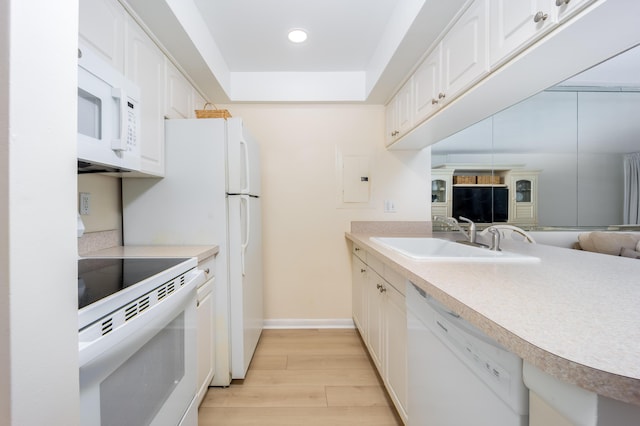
x=382, y=289
x=540, y=16
x=206, y=271
x=356, y=249
x=434, y=101
x=363, y=271
x=394, y=133
x=441, y=95
x=378, y=286
x=561, y=2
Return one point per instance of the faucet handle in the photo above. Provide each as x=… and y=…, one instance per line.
x=495, y=239
x=464, y=219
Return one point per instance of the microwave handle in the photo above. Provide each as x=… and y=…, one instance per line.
x=120, y=144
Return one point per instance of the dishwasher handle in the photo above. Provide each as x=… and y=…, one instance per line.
x=433, y=303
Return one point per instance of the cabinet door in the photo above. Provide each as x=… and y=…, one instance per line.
x=179, y=94
x=359, y=277
x=568, y=8
x=391, y=120
x=405, y=108
x=426, y=87
x=515, y=23
x=523, y=207
x=101, y=25
x=375, y=313
x=465, y=51
x=145, y=67
x=395, y=358
x=205, y=342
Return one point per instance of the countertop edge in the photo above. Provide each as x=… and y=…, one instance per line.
x=603, y=383
x=199, y=252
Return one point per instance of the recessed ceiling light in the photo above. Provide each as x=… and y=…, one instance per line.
x=297, y=35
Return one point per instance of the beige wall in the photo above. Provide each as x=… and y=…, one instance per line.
x=306, y=260
x=105, y=202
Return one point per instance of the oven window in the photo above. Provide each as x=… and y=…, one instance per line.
x=137, y=390
x=89, y=115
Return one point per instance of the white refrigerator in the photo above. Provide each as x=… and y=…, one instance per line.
x=210, y=195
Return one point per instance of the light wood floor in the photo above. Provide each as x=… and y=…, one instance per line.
x=303, y=377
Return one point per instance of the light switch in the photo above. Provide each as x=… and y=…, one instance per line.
x=389, y=206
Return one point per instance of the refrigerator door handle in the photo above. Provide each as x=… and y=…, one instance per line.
x=244, y=199
x=246, y=167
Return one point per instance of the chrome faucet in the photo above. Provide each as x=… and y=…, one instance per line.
x=472, y=229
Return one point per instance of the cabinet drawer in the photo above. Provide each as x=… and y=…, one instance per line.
x=208, y=265
x=376, y=264
x=395, y=279
x=359, y=252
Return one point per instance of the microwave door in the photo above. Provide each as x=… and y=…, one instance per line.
x=95, y=130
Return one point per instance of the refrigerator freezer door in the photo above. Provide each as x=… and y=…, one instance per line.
x=245, y=280
x=243, y=160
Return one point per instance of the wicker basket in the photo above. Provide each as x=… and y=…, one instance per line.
x=464, y=180
x=489, y=180
x=212, y=113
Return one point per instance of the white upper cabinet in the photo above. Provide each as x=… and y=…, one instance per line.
x=102, y=25
x=179, y=99
x=455, y=64
x=405, y=108
x=465, y=51
x=145, y=67
x=426, y=87
x=399, y=114
x=514, y=23
x=567, y=8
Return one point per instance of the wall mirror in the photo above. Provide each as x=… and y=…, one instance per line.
x=568, y=141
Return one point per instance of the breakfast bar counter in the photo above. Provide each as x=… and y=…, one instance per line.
x=574, y=315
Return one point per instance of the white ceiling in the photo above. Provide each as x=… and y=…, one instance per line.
x=252, y=34
x=357, y=51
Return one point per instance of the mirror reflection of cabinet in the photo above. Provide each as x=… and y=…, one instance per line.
x=522, y=186
x=523, y=202
x=441, y=192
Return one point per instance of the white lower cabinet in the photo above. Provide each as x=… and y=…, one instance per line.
x=380, y=315
x=395, y=356
x=375, y=317
x=359, y=277
x=206, y=328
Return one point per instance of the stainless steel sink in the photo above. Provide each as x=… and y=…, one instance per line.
x=439, y=250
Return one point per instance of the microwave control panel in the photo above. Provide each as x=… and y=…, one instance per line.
x=132, y=140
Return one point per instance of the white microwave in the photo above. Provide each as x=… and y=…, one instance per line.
x=108, y=117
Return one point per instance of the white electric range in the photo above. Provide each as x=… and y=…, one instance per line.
x=137, y=340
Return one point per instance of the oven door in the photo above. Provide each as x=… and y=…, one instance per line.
x=144, y=372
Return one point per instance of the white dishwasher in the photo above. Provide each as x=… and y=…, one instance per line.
x=458, y=375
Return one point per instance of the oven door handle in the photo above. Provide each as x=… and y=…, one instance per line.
x=102, y=356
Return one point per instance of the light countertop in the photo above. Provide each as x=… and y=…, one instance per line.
x=574, y=314
x=200, y=252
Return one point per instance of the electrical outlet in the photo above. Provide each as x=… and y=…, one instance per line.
x=85, y=198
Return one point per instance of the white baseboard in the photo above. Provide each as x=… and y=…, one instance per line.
x=309, y=323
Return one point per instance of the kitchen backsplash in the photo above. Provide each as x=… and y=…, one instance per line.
x=93, y=241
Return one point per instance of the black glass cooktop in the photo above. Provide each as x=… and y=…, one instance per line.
x=100, y=277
